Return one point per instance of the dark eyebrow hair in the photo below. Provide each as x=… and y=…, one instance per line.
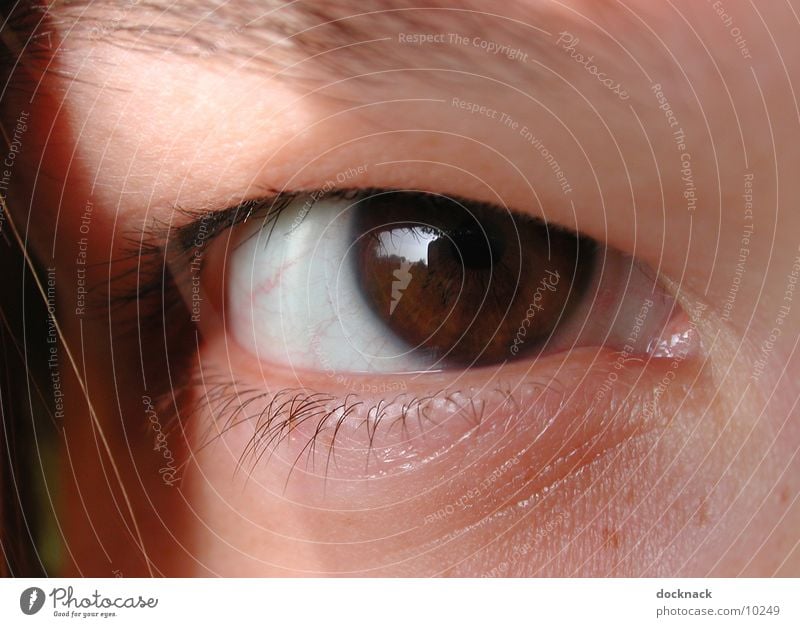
x=312, y=23
x=343, y=37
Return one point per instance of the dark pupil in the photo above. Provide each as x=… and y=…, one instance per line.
x=478, y=250
x=457, y=278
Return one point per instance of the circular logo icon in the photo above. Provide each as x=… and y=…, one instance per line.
x=31, y=600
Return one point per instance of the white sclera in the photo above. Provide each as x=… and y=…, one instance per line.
x=293, y=299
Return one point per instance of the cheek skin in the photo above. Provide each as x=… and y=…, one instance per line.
x=524, y=491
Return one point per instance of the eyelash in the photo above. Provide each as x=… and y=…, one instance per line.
x=224, y=404
x=151, y=248
x=288, y=408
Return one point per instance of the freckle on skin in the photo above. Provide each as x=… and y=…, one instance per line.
x=611, y=539
x=701, y=515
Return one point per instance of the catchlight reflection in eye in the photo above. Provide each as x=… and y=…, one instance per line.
x=399, y=282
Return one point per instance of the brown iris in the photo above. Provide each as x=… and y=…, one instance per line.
x=469, y=283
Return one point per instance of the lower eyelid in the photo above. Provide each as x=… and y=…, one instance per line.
x=552, y=416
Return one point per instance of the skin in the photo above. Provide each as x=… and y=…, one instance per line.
x=705, y=484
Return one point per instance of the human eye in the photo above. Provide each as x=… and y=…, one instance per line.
x=389, y=281
x=365, y=331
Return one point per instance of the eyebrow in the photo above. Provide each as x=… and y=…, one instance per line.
x=344, y=38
